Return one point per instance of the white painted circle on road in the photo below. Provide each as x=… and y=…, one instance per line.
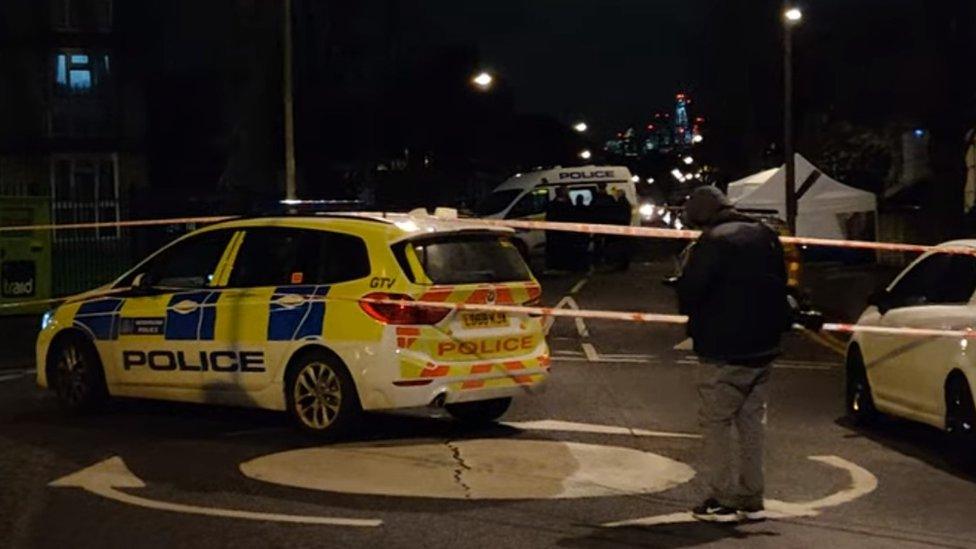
x=473, y=469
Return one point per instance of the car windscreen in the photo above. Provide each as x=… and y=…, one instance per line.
x=467, y=259
x=496, y=202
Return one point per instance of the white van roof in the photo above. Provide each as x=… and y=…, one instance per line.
x=566, y=176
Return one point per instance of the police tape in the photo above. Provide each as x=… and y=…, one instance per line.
x=588, y=228
x=684, y=234
x=633, y=316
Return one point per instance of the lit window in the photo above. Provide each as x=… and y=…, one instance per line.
x=78, y=73
x=62, y=70
x=80, y=79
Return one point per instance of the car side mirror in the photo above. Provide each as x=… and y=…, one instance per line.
x=141, y=283
x=880, y=299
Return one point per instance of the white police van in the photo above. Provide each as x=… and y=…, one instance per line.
x=526, y=196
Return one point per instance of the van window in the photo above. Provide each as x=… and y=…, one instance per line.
x=496, y=202
x=466, y=259
x=533, y=203
x=584, y=194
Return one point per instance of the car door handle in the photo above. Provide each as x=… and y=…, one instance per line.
x=290, y=300
x=185, y=307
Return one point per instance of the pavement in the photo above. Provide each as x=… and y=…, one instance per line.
x=606, y=457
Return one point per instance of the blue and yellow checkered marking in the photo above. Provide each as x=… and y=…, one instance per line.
x=197, y=325
x=100, y=317
x=298, y=322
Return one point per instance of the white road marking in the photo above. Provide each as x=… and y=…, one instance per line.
x=862, y=483
x=474, y=469
x=578, y=286
x=567, y=303
x=17, y=374
x=574, y=427
x=685, y=345
x=589, y=351
x=106, y=477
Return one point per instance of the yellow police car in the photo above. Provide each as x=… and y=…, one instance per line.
x=292, y=314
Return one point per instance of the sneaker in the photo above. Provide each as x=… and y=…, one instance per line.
x=712, y=511
x=752, y=514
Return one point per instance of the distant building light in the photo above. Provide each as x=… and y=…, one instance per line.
x=635, y=178
x=919, y=133
x=793, y=15
x=697, y=138
x=678, y=175
x=688, y=160
x=650, y=180
x=585, y=154
x=580, y=127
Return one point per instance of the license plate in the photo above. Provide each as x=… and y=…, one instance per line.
x=484, y=320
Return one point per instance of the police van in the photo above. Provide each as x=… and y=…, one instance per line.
x=526, y=196
x=308, y=315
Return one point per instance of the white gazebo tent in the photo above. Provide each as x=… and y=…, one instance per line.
x=824, y=208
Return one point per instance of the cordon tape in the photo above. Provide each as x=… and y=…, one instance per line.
x=589, y=228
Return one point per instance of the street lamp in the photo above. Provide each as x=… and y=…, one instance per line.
x=483, y=80
x=580, y=126
x=585, y=154
x=791, y=17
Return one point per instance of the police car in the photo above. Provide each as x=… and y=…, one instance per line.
x=291, y=313
x=925, y=379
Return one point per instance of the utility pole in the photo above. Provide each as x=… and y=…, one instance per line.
x=791, y=17
x=286, y=90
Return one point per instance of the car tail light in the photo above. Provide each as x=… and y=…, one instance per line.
x=398, y=313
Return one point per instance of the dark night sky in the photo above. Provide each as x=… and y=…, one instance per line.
x=606, y=60
x=615, y=61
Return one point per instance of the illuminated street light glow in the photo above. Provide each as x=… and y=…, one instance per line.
x=585, y=154
x=580, y=127
x=793, y=15
x=697, y=138
x=650, y=180
x=483, y=80
x=688, y=160
x=635, y=178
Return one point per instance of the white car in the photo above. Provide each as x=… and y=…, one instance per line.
x=924, y=379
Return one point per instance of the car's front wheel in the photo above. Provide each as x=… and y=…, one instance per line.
x=479, y=412
x=859, y=400
x=960, y=409
x=77, y=376
x=320, y=394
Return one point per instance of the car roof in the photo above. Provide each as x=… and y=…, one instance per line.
x=961, y=243
x=391, y=227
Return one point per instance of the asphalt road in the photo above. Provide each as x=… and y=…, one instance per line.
x=614, y=439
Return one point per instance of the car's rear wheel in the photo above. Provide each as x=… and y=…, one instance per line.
x=320, y=394
x=859, y=400
x=960, y=409
x=479, y=412
x=77, y=376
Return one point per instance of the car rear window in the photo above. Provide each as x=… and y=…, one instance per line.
x=466, y=259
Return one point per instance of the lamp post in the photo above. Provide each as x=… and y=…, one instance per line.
x=791, y=17
x=286, y=91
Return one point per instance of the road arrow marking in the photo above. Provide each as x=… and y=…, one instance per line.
x=106, y=477
x=573, y=427
x=862, y=483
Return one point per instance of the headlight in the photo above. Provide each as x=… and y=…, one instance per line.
x=46, y=319
x=647, y=210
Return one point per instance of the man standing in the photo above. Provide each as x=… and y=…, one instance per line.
x=560, y=209
x=733, y=289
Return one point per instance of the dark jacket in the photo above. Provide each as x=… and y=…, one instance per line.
x=733, y=289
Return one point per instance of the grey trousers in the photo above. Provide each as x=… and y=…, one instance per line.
x=733, y=397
